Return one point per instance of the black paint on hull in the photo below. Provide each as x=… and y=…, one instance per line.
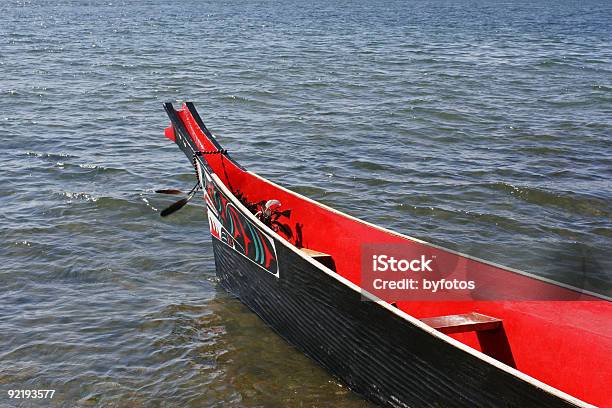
x=376, y=353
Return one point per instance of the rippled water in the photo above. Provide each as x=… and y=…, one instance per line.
x=480, y=125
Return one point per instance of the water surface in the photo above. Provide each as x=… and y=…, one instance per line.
x=480, y=125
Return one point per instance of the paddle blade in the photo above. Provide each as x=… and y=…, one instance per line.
x=171, y=191
x=174, y=207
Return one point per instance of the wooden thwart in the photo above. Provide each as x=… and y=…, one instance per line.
x=325, y=259
x=462, y=323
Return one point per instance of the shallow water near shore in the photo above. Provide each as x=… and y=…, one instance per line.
x=481, y=126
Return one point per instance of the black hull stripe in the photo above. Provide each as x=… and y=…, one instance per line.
x=377, y=354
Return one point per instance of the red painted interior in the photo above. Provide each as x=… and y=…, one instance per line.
x=565, y=344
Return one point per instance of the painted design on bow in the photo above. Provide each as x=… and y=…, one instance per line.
x=232, y=228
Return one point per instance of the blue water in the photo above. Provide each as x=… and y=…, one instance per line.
x=485, y=126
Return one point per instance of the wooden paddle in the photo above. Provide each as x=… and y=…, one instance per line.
x=180, y=203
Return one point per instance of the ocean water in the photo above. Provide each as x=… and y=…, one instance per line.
x=485, y=126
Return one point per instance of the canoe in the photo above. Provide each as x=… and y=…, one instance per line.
x=523, y=341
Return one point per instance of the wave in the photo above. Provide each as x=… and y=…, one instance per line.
x=568, y=201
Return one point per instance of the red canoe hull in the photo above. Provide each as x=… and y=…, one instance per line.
x=544, y=353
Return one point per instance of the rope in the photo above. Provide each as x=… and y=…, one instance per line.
x=200, y=154
x=195, y=166
x=220, y=151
